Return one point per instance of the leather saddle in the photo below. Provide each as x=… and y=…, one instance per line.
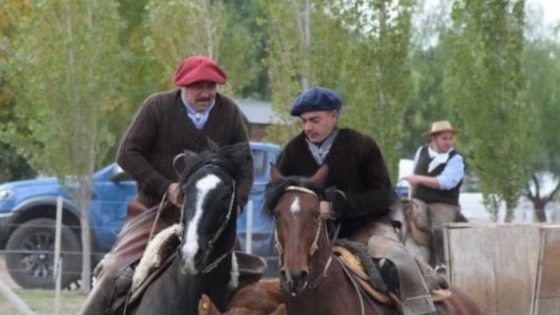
x=439, y=290
x=251, y=269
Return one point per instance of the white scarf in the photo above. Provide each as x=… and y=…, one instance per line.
x=437, y=158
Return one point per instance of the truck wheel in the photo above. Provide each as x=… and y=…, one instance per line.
x=30, y=255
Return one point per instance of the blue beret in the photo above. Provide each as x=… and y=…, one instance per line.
x=316, y=99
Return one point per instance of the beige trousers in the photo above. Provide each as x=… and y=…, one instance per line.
x=383, y=243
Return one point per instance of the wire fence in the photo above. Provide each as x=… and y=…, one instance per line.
x=27, y=254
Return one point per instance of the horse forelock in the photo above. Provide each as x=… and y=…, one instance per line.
x=275, y=191
x=192, y=165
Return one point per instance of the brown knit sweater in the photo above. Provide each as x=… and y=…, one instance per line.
x=356, y=167
x=162, y=129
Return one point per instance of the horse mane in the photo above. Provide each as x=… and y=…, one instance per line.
x=223, y=157
x=274, y=192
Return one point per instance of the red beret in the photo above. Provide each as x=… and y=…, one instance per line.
x=198, y=68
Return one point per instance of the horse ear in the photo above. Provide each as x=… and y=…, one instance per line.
x=212, y=146
x=183, y=160
x=280, y=310
x=275, y=174
x=206, y=307
x=320, y=176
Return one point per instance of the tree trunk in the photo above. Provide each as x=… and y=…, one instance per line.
x=539, y=204
x=509, y=215
x=86, y=247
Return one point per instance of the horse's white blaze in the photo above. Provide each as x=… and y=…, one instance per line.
x=203, y=187
x=295, y=207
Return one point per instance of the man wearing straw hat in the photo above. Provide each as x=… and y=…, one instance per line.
x=438, y=175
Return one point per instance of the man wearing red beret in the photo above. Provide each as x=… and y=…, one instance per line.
x=181, y=119
x=167, y=124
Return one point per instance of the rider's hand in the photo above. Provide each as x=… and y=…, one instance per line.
x=173, y=194
x=337, y=199
x=413, y=179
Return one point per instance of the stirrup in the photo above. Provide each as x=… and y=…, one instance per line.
x=441, y=269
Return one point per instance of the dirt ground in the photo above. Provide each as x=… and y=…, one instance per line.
x=42, y=302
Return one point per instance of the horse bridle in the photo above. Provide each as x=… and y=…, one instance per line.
x=322, y=225
x=314, y=246
x=218, y=233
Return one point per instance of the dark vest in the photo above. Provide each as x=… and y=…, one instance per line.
x=430, y=195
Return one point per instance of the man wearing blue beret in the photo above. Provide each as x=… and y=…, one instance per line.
x=360, y=190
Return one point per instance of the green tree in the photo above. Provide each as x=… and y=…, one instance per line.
x=244, y=14
x=12, y=165
x=64, y=70
x=285, y=25
x=359, y=49
x=178, y=29
x=379, y=71
x=426, y=102
x=542, y=66
x=428, y=61
x=487, y=87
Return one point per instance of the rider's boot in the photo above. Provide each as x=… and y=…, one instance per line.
x=384, y=244
x=105, y=290
x=413, y=301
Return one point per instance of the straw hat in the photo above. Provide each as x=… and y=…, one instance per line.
x=439, y=127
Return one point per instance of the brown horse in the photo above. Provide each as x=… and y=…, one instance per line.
x=416, y=230
x=260, y=298
x=310, y=273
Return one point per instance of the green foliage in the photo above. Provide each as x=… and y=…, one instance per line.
x=178, y=29
x=284, y=61
x=426, y=102
x=12, y=165
x=64, y=72
x=359, y=49
x=63, y=80
x=542, y=65
x=378, y=70
x=486, y=85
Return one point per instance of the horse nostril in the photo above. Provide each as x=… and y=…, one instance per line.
x=283, y=276
x=304, y=276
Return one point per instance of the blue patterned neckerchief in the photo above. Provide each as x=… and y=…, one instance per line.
x=199, y=119
x=319, y=152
